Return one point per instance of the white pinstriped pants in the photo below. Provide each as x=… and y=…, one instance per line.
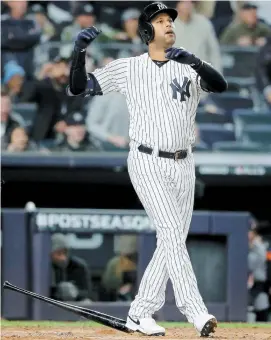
x=166, y=190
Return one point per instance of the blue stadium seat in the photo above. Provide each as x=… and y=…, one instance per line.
x=239, y=61
x=106, y=146
x=231, y=100
x=237, y=146
x=211, y=118
x=201, y=146
x=248, y=117
x=211, y=133
x=257, y=134
x=48, y=143
x=27, y=110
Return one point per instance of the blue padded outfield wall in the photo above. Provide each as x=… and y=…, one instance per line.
x=217, y=244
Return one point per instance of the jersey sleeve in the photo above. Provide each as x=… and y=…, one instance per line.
x=113, y=77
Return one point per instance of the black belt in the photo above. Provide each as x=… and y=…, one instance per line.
x=181, y=154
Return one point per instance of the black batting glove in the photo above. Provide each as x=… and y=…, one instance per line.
x=86, y=36
x=182, y=56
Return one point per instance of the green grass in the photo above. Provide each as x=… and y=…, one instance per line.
x=5, y=323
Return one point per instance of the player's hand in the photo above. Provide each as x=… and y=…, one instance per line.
x=183, y=56
x=86, y=36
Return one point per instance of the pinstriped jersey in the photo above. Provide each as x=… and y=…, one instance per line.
x=162, y=101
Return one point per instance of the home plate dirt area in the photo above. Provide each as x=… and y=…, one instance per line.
x=12, y=330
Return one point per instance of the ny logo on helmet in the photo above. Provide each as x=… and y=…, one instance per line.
x=183, y=90
x=161, y=6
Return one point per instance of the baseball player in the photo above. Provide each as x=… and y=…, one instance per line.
x=162, y=90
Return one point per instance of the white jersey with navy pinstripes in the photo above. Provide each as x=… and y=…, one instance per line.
x=162, y=101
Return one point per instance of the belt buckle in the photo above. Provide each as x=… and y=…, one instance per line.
x=176, y=155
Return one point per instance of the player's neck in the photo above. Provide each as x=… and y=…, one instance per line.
x=157, y=53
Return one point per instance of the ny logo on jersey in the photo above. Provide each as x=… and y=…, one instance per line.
x=161, y=6
x=183, y=90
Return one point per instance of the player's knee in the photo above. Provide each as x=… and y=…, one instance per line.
x=170, y=234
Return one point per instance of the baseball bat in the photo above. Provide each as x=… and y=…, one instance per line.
x=101, y=318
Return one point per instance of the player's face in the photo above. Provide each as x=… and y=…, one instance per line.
x=164, y=33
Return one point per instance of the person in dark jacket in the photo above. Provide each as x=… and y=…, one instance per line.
x=9, y=120
x=71, y=280
x=76, y=135
x=53, y=103
x=263, y=71
x=20, y=34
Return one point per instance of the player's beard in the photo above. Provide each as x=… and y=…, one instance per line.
x=170, y=40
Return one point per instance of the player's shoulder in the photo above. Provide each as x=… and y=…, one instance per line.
x=127, y=61
x=118, y=62
x=137, y=60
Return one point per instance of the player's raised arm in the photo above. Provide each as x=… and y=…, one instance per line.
x=110, y=78
x=211, y=80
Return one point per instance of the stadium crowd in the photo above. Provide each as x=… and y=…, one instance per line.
x=36, y=45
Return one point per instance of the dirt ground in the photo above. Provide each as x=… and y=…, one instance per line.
x=42, y=333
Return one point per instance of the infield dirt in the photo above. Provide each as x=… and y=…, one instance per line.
x=99, y=333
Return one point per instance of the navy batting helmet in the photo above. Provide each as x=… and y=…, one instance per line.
x=145, y=27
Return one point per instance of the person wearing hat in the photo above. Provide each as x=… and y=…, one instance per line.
x=130, y=35
x=71, y=280
x=52, y=103
x=119, y=277
x=248, y=30
x=84, y=17
x=47, y=28
x=76, y=135
x=129, y=21
x=257, y=265
x=13, y=79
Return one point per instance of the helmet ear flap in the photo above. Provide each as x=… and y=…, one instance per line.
x=146, y=32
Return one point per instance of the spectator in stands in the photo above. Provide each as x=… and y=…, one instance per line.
x=257, y=264
x=195, y=33
x=9, y=120
x=53, y=104
x=129, y=21
x=221, y=13
x=71, y=279
x=263, y=71
x=47, y=28
x=76, y=135
x=19, y=141
x=20, y=34
x=119, y=278
x=14, y=77
x=108, y=120
x=83, y=17
x=248, y=31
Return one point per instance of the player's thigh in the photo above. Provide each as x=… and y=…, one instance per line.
x=155, y=192
x=185, y=171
